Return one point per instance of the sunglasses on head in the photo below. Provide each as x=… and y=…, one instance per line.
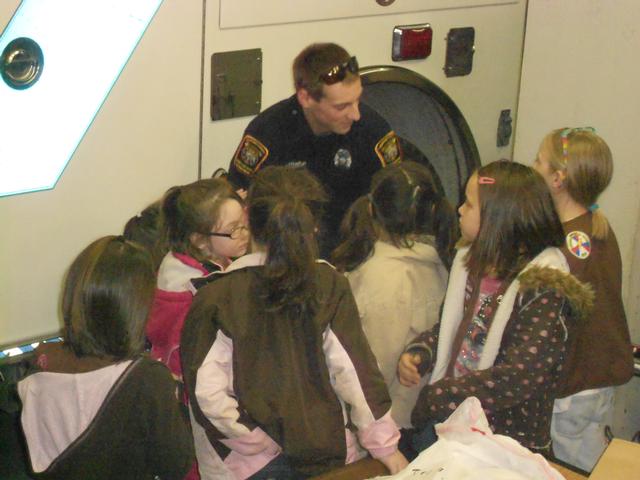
x=338, y=72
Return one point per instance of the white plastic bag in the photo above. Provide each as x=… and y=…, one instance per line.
x=467, y=449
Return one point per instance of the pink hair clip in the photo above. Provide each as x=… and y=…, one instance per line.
x=486, y=180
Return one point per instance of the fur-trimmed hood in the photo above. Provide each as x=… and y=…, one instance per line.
x=580, y=295
x=548, y=270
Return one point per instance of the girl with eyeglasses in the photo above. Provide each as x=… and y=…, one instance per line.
x=577, y=166
x=508, y=314
x=205, y=228
x=281, y=380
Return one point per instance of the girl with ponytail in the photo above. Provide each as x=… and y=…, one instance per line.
x=205, y=228
x=397, y=250
x=275, y=361
x=577, y=166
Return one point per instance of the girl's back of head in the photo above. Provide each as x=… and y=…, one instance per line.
x=586, y=162
x=106, y=298
x=518, y=219
x=283, y=225
x=403, y=204
x=293, y=181
x=146, y=229
x=190, y=212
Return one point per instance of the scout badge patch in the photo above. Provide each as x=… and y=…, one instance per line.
x=388, y=149
x=250, y=155
x=579, y=244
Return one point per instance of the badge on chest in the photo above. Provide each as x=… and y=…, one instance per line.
x=342, y=159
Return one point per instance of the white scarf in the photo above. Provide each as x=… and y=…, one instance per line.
x=453, y=310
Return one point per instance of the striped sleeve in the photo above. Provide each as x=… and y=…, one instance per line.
x=357, y=380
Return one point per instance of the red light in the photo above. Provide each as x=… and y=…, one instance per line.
x=411, y=42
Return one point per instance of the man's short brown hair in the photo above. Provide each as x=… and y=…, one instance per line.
x=315, y=60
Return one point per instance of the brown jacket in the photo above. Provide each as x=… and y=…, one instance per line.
x=288, y=377
x=134, y=428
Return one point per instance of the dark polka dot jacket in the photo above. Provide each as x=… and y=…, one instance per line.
x=518, y=391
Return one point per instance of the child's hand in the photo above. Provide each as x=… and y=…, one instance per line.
x=394, y=462
x=408, y=369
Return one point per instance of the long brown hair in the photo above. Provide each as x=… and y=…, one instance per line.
x=518, y=220
x=296, y=182
x=106, y=298
x=588, y=165
x=285, y=226
x=285, y=204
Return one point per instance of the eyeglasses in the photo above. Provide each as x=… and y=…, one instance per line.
x=234, y=234
x=564, y=136
x=338, y=72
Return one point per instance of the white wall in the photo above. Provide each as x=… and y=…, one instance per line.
x=143, y=140
x=145, y=137
x=580, y=67
x=366, y=33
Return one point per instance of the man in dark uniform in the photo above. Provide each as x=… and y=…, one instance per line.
x=324, y=128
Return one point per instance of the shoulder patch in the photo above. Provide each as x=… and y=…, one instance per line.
x=579, y=244
x=388, y=149
x=251, y=153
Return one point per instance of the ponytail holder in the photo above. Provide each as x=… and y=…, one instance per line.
x=486, y=180
x=594, y=207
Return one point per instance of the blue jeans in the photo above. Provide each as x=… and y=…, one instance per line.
x=414, y=441
x=278, y=469
x=578, y=432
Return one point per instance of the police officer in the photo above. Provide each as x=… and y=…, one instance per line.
x=324, y=128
